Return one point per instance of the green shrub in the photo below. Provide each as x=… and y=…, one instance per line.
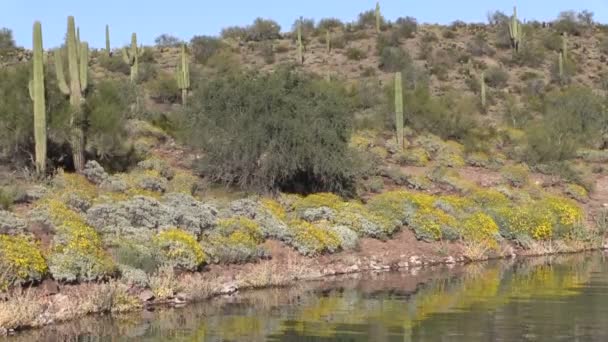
x=552, y=41
x=166, y=41
x=532, y=55
x=267, y=51
x=387, y=39
x=407, y=27
x=114, y=64
x=355, y=54
x=263, y=29
x=478, y=46
x=570, y=70
x=516, y=175
x=234, y=32
x=204, y=47
x=569, y=22
x=572, y=117
x=6, y=40
x=331, y=24
x=255, y=138
x=164, y=89
x=394, y=59
x=367, y=19
x=496, y=77
x=307, y=28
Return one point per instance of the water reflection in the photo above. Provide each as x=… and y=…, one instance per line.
x=545, y=299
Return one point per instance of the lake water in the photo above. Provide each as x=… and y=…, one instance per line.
x=561, y=298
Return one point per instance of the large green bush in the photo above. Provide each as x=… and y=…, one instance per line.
x=204, y=47
x=284, y=130
x=6, y=40
x=572, y=118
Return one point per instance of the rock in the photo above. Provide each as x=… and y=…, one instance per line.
x=352, y=269
x=229, y=289
x=94, y=172
x=402, y=264
x=49, y=287
x=146, y=296
x=415, y=260
x=450, y=260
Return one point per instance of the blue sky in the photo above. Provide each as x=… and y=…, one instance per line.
x=186, y=18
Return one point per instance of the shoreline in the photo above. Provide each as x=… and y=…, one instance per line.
x=45, y=305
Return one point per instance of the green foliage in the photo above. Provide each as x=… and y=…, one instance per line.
x=496, y=77
x=114, y=64
x=131, y=56
x=235, y=240
x=516, y=175
x=267, y=51
x=204, y=47
x=166, y=41
x=164, y=89
x=393, y=59
x=572, y=117
x=367, y=19
x=407, y=27
x=263, y=29
x=307, y=27
x=355, y=54
x=568, y=21
x=563, y=69
x=106, y=112
x=330, y=24
x=7, y=42
x=264, y=131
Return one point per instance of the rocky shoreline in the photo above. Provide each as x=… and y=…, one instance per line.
x=51, y=303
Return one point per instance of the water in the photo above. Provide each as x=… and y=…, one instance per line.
x=543, y=299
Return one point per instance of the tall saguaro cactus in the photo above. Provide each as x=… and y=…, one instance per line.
x=108, y=47
x=482, y=80
x=78, y=59
x=399, y=109
x=131, y=56
x=565, y=45
x=328, y=41
x=183, y=75
x=38, y=98
x=300, y=44
x=560, y=62
x=515, y=31
x=378, y=19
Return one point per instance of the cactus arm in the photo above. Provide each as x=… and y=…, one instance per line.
x=399, y=110
x=483, y=90
x=378, y=17
x=84, y=66
x=63, y=85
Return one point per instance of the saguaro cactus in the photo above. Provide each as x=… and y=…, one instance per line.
x=378, y=17
x=560, y=62
x=328, y=41
x=300, y=44
x=399, y=110
x=482, y=80
x=38, y=97
x=515, y=31
x=565, y=45
x=78, y=58
x=183, y=75
x=131, y=57
x=108, y=48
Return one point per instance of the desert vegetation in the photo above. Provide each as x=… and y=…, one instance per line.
x=139, y=167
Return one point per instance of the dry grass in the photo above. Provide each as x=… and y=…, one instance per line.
x=21, y=311
x=475, y=251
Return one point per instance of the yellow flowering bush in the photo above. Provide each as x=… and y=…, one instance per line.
x=235, y=240
x=323, y=199
x=78, y=254
x=275, y=208
x=567, y=214
x=389, y=205
x=75, y=184
x=358, y=218
x=182, y=182
x=529, y=219
x=241, y=229
x=451, y=155
x=415, y=156
x=311, y=239
x=488, y=198
x=180, y=249
x=21, y=261
x=480, y=227
x=576, y=192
